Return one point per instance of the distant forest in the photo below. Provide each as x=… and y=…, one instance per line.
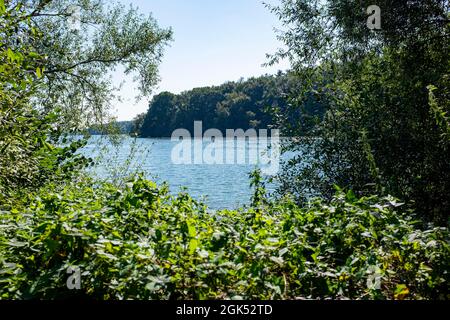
x=252, y=103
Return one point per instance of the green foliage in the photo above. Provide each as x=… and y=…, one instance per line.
x=233, y=105
x=136, y=125
x=53, y=81
x=75, y=74
x=139, y=242
x=374, y=82
x=28, y=155
x=440, y=112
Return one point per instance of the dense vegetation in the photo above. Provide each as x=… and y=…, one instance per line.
x=386, y=91
x=53, y=80
x=385, y=131
x=28, y=156
x=138, y=242
x=234, y=105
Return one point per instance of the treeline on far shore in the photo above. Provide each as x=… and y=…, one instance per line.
x=244, y=104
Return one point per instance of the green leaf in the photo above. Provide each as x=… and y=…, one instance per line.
x=10, y=54
x=39, y=72
x=191, y=231
x=401, y=291
x=2, y=7
x=193, y=244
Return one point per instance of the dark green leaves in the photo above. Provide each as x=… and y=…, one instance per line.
x=171, y=248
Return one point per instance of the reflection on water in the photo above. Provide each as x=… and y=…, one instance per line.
x=223, y=185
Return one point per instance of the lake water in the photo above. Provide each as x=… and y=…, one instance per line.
x=219, y=185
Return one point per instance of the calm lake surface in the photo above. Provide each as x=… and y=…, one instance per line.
x=219, y=185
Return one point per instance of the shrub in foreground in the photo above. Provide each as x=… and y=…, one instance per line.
x=140, y=242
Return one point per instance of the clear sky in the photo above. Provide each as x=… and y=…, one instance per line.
x=214, y=41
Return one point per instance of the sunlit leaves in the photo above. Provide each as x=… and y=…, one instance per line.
x=2, y=7
x=140, y=242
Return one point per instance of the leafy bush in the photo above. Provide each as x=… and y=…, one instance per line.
x=140, y=242
x=386, y=98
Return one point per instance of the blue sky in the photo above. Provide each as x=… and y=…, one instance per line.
x=214, y=41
